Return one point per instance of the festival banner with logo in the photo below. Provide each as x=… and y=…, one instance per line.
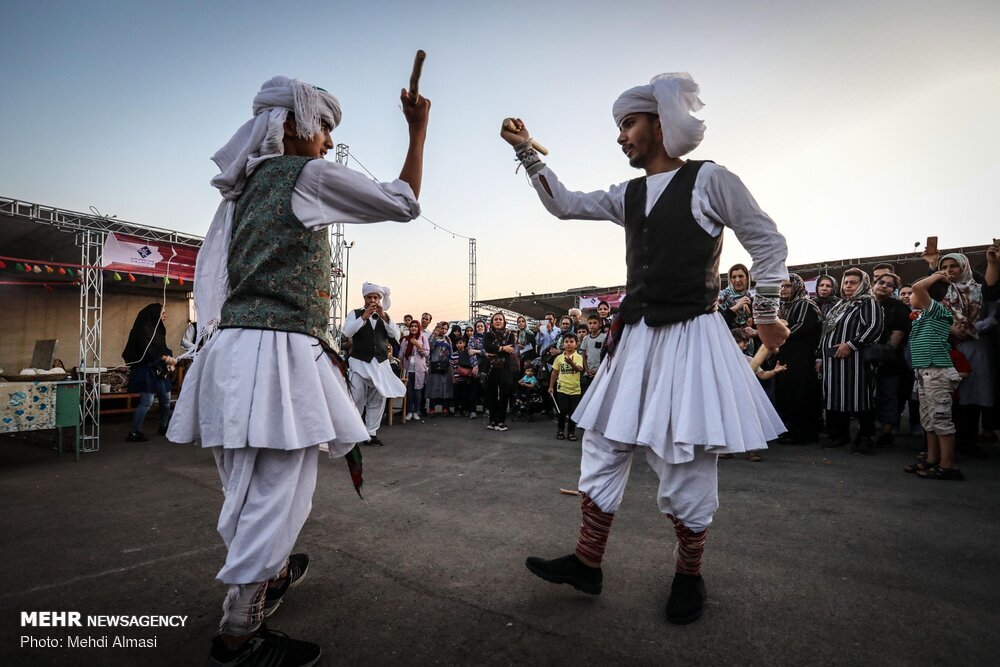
x=614, y=300
x=150, y=258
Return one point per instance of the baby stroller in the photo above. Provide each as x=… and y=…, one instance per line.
x=528, y=402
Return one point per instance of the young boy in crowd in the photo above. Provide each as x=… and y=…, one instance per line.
x=564, y=385
x=591, y=347
x=743, y=339
x=528, y=380
x=937, y=379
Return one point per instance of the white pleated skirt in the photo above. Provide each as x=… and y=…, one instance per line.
x=270, y=389
x=677, y=387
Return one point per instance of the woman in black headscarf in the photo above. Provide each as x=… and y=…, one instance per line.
x=827, y=294
x=798, y=392
x=501, y=350
x=149, y=361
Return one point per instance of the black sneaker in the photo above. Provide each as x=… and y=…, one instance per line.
x=374, y=442
x=687, y=599
x=266, y=647
x=884, y=440
x=136, y=436
x=568, y=570
x=298, y=565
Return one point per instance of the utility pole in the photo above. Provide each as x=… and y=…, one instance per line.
x=473, y=292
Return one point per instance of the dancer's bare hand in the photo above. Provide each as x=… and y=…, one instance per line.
x=417, y=111
x=517, y=137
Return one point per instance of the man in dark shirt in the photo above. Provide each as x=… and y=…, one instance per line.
x=895, y=333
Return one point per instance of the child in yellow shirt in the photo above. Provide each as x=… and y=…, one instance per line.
x=564, y=385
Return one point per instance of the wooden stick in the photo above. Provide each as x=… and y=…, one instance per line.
x=570, y=492
x=510, y=126
x=418, y=66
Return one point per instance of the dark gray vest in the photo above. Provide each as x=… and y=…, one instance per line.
x=673, y=264
x=370, y=342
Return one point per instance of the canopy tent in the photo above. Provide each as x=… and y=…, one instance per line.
x=60, y=255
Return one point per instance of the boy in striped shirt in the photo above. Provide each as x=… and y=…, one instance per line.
x=937, y=380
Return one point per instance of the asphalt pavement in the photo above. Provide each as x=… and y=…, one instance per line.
x=815, y=556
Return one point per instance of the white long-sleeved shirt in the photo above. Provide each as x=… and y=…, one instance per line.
x=719, y=200
x=328, y=193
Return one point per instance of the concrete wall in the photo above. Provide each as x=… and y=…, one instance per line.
x=31, y=313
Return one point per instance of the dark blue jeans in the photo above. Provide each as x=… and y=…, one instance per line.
x=146, y=401
x=414, y=396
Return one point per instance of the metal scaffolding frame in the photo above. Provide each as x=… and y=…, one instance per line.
x=473, y=289
x=91, y=244
x=337, y=273
x=91, y=231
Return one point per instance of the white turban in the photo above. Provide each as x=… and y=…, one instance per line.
x=672, y=96
x=372, y=288
x=257, y=140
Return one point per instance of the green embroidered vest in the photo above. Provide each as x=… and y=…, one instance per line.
x=279, y=271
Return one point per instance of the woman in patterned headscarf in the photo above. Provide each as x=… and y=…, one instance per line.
x=848, y=380
x=797, y=391
x=964, y=299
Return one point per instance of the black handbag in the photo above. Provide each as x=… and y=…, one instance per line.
x=878, y=353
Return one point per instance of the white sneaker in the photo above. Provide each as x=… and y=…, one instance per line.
x=416, y=416
x=472, y=415
x=491, y=427
x=409, y=416
x=500, y=427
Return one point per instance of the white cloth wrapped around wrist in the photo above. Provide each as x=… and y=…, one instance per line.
x=528, y=157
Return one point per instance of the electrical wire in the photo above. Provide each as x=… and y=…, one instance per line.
x=432, y=223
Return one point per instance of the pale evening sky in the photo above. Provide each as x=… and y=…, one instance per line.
x=860, y=127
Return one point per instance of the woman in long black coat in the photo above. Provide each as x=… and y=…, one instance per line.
x=149, y=360
x=797, y=392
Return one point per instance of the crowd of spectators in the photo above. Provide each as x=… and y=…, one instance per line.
x=867, y=348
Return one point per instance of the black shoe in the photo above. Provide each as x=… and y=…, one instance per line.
x=374, y=442
x=834, y=442
x=298, y=565
x=136, y=436
x=568, y=570
x=162, y=430
x=687, y=599
x=265, y=648
x=884, y=440
x=864, y=445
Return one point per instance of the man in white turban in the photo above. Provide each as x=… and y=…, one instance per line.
x=372, y=379
x=674, y=385
x=266, y=390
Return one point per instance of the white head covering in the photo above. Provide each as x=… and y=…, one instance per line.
x=672, y=96
x=372, y=288
x=258, y=139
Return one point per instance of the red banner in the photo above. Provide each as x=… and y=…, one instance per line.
x=149, y=258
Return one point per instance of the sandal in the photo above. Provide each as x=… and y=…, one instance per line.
x=754, y=456
x=560, y=436
x=937, y=472
x=572, y=436
x=919, y=467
